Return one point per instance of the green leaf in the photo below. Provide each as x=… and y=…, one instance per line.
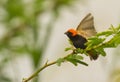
x=67, y=49
x=75, y=59
x=78, y=50
x=78, y=57
x=106, y=33
x=75, y=56
x=81, y=62
x=60, y=60
x=92, y=42
x=101, y=51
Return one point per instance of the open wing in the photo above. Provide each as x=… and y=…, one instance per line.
x=86, y=26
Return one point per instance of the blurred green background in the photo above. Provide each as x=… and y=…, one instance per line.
x=28, y=27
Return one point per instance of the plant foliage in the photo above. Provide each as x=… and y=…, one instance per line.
x=106, y=39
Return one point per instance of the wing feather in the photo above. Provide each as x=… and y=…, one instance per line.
x=86, y=26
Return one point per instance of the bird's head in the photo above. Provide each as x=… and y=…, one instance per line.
x=71, y=33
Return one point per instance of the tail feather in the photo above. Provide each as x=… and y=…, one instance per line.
x=93, y=54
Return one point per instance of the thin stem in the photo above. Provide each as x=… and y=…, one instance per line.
x=38, y=71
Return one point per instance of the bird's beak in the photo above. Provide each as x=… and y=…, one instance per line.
x=66, y=33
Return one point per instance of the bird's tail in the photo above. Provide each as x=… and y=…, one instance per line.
x=93, y=54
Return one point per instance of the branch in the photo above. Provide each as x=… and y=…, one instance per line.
x=38, y=71
x=70, y=57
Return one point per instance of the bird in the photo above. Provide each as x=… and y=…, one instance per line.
x=80, y=35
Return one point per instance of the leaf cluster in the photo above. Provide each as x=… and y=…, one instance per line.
x=74, y=59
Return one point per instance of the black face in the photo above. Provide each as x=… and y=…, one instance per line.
x=77, y=40
x=69, y=34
